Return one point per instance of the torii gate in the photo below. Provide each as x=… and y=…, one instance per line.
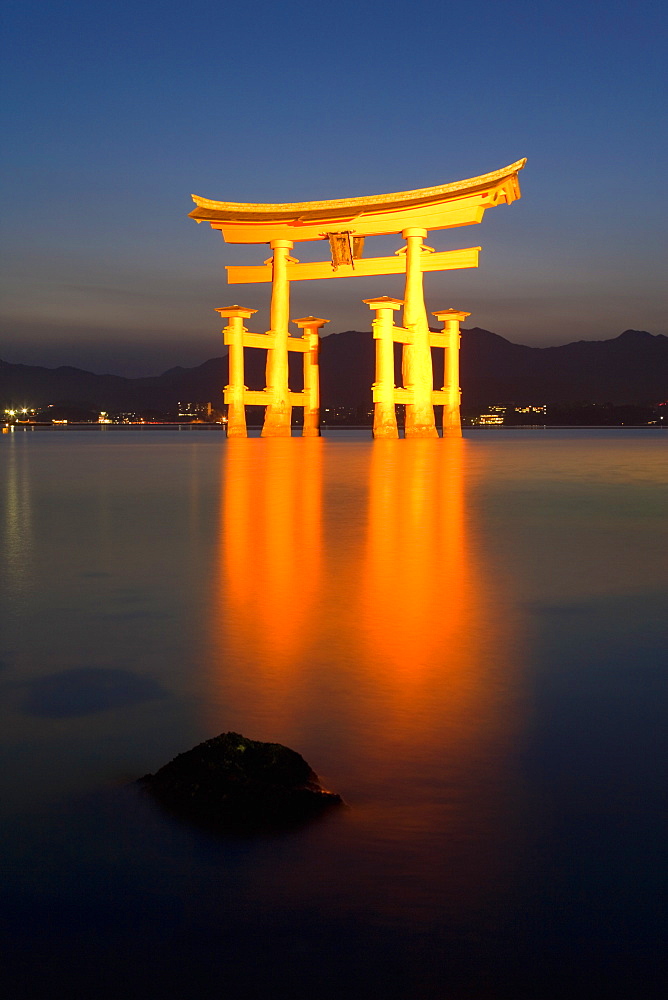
x=345, y=223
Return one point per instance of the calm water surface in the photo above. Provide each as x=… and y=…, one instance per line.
x=466, y=639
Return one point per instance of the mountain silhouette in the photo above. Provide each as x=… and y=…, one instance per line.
x=629, y=369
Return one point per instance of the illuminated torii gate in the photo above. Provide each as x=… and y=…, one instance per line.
x=345, y=223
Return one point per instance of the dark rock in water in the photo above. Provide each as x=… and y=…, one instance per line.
x=233, y=783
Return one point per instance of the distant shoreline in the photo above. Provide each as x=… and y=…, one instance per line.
x=328, y=428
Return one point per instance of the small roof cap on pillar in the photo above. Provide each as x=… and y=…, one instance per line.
x=309, y=321
x=229, y=311
x=443, y=314
x=383, y=302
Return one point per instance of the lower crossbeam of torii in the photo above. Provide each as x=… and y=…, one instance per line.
x=345, y=223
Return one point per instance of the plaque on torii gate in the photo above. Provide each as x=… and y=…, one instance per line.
x=344, y=223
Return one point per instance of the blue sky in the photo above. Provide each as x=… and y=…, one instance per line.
x=114, y=114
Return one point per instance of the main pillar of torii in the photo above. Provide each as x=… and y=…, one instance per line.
x=345, y=223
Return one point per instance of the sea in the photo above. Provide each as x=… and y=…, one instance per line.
x=466, y=639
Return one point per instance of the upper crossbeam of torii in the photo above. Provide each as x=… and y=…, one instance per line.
x=344, y=223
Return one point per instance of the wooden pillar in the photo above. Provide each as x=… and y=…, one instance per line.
x=417, y=370
x=310, y=325
x=233, y=336
x=451, y=318
x=278, y=414
x=384, y=412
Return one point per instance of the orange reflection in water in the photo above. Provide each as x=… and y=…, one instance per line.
x=386, y=589
x=270, y=560
x=416, y=571
x=439, y=633
x=425, y=600
x=362, y=622
x=356, y=576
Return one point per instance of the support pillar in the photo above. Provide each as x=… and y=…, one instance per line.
x=233, y=335
x=384, y=412
x=310, y=326
x=278, y=414
x=451, y=318
x=417, y=370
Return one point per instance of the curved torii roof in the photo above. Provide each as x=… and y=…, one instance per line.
x=456, y=204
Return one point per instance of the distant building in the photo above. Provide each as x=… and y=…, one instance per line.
x=20, y=414
x=531, y=409
x=195, y=411
x=495, y=416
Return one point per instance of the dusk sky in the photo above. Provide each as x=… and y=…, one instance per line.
x=115, y=113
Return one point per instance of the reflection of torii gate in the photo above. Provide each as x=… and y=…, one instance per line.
x=345, y=223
